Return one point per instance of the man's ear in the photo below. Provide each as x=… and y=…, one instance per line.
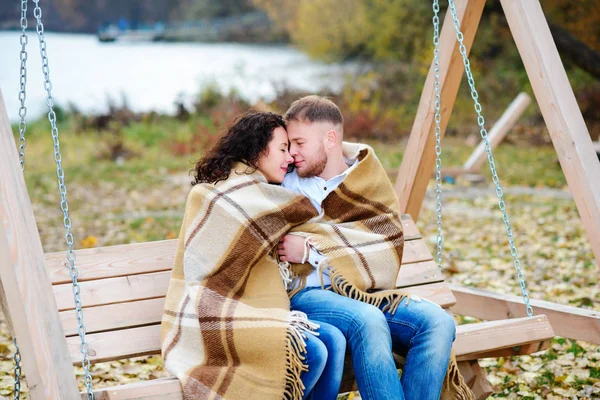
x=331, y=138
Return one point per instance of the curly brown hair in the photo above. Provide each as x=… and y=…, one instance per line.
x=245, y=141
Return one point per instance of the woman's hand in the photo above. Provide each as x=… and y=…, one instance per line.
x=292, y=249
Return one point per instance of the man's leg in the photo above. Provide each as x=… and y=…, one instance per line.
x=367, y=333
x=423, y=333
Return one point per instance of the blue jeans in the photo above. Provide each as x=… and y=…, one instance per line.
x=325, y=359
x=421, y=331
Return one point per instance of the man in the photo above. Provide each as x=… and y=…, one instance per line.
x=421, y=330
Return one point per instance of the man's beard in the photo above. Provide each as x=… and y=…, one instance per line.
x=315, y=168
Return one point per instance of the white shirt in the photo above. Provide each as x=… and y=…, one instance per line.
x=316, y=189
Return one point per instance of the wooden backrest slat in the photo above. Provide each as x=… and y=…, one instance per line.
x=114, y=290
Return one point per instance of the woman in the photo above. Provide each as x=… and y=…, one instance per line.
x=226, y=279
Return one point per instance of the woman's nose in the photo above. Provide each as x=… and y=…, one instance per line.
x=289, y=159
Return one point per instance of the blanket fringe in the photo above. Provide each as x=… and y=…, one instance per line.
x=295, y=351
x=390, y=299
x=286, y=274
x=455, y=386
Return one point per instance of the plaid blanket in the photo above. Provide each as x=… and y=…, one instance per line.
x=227, y=329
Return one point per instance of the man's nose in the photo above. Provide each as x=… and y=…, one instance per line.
x=293, y=150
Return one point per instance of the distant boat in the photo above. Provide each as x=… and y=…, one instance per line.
x=112, y=33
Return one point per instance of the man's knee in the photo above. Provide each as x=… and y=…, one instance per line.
x=369, y=318
x=443, y=325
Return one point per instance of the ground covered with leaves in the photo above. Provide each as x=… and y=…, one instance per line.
x=142, y=199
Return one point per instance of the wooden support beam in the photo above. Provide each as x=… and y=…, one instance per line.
x=498, y=131
x=419, y=156
x=561, y=113
x=27, y=289
x=475, y=378
x=570, y=322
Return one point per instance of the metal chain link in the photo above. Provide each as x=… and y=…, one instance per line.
x=22, y=128
x=488, y=149
x=64, y=205
x=438, y=130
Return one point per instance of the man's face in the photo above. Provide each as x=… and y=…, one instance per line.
x=307, y=147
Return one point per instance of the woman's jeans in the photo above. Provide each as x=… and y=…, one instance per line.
x=325, y=359
x=420, y=330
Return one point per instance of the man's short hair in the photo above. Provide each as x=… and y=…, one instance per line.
x=314, y=109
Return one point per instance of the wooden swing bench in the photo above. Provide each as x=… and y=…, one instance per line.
x=124, y=289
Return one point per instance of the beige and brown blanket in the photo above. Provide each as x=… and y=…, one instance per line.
x=227, y=330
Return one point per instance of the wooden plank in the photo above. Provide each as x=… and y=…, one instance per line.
x=420, y=273
x=571, y=322
x=419, y=156
x=157, y=389
x=115, y=316
x=114, y=290
x=146, y=312
x=139, y=258
x=480, y=340
x=114, y=261
x=116, y=345
x=27, y=290
x=410, y=228
x=559, y=108
x=416, y=251
x=498, y=132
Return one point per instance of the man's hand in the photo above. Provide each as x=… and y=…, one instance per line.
x=291, y=248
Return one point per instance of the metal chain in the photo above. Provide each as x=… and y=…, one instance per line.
x=438, y=130
x=22, y=128
x=17, y=358
x=23, y=83
x=488, y=149
x=64, y=205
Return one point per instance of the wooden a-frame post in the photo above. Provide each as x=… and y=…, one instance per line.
x=553, y=93
x=27, y=295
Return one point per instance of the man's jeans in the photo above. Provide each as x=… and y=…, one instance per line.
x=421, y=331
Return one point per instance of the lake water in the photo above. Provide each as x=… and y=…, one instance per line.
x=150, y=75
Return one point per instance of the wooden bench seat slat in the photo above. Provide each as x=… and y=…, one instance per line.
x=484, y=338
x=513, y=332
x=140, y=258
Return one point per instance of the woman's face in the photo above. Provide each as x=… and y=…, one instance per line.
x=273, y=164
